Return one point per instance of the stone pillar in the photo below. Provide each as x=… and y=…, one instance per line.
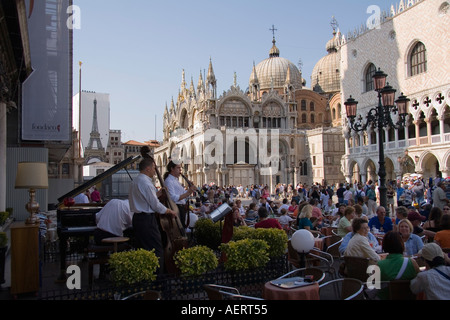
x=441, y=127
x=363, y=177
x=429, y=131
x=416, y=123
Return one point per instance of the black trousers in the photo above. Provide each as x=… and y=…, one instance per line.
x=148, y=235
x=100, y=234
x=182, y=210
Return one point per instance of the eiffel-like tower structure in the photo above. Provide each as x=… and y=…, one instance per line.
x=94, y=148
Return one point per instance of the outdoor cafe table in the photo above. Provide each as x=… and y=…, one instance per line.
x=273, y=292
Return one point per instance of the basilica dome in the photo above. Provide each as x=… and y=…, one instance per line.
x=275, y=71
x=325, y=77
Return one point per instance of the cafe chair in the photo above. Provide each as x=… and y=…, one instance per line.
x=322, y=260
x=356, y=268
x=400, y=290
x=219, y=292
x=333, y=248
x=144, y=295
x=347, y=289
x=318, y=275
x=293, y=257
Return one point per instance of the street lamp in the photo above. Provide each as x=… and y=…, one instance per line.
x=380, y=117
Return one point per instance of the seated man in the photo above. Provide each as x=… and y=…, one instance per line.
x=265, y=221
x=380, y=221
x=114, y=218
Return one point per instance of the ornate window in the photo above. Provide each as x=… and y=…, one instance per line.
x=418, y=59
x=303, y=107
x=368, y=77
x=304, y=118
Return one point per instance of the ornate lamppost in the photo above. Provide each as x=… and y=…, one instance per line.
x=380, y=117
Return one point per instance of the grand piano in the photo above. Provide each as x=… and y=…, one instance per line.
x=79, y=220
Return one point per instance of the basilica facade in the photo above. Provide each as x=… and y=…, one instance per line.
x=276, y=131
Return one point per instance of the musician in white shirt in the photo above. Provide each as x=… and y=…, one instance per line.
x=114, y=218
x=144, y=202
x=177, y=192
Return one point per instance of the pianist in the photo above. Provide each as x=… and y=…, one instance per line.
x=114, y=218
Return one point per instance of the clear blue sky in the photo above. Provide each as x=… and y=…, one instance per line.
x=136, y=50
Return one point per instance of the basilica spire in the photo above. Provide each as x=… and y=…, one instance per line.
x=211, y=76
x=211, y=81
x=183, y=81
x=200, y=84
x=274, y=52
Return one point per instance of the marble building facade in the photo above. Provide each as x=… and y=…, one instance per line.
x=412, y=46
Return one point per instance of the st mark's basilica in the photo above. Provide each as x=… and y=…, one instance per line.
x=276, y=131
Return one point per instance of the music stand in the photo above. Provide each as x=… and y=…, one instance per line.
x=220, y=212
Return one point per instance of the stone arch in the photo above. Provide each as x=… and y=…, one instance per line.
x=429, y=164
x=354, y=171
x=370, y=169
x=184, y=119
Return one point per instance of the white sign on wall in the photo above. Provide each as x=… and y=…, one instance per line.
x=46, y=104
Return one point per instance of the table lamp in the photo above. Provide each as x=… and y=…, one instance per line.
x=32, y=176
x=303, y=242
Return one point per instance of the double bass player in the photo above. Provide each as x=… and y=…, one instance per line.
x=144, y=203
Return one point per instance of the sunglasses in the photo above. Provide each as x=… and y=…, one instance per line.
x=446, y=208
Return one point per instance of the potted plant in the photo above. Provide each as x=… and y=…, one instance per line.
x=208, y=233
x=245, y=254
x=275, y=238
x=134, y=266
x=3, y=249
x=4, y=215
x=196, y=261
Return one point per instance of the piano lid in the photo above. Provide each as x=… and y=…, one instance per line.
x=99, y=178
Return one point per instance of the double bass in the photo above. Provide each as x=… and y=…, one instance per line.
x=173, y=233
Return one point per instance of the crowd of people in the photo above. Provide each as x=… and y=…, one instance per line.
x=413, y=224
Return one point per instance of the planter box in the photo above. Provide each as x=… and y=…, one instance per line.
x=249, y=283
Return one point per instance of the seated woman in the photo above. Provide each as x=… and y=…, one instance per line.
x=292, y=208
x=285, y=221
x=373, y=241
x=345, y=224
x=395, y=266
x=251, y=213
x=359, y=246
x=433, y=224
x=434, y=281
x=316, y=212
x=238, y=219
x=359, y=212
x=412, y=242
x=304, y=220
x=442, y=238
